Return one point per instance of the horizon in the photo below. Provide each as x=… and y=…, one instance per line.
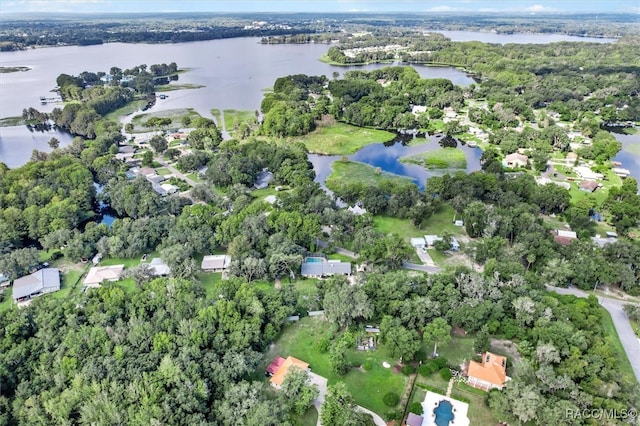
x=458, y=7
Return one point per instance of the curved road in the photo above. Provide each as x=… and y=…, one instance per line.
x=630, y=341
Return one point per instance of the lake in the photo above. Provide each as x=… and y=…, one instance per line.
x=524, y=38
x=17, y=143
x=629, y=157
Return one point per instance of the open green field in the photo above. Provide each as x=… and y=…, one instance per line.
x=216, y=115
x=441, y=220
x=612, y=338
x=351, y=171
x=456, y=351
x=128, y=262
x=443, y=158
x=128, y=109
x=174, y=114
x=310, y=418
x=342, y=139
x=367, y=387
x=233, y=118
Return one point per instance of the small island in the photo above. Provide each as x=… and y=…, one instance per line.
x=6, y=70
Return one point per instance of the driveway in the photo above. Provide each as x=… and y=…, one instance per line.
x=630, y=341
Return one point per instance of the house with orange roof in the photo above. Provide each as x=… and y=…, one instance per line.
x=279, y=368
x=489, y=374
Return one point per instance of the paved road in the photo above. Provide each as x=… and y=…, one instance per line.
x=175, y=171
x=630, y=341
x=423, y=268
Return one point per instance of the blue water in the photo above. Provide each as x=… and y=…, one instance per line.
x=314, y=260
x=444, y=413
x=387, y=158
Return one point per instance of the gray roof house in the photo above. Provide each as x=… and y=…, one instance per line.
x=44, y=281
x=215, y=263
x=264, y=179
x=325, y=269
x=159, y=268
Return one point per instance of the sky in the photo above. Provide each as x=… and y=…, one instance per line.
x=464, y=6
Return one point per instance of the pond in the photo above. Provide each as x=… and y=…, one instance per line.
x=629, y=156
x=18, y=142
x=387, y=158
x=106, y=214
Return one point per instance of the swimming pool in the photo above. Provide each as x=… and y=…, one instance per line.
x=314, y=260
x=444, y=413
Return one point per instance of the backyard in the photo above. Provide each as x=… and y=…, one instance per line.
x=367, y=387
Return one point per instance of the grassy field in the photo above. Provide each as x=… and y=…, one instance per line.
x=233, y=118
x=163, y=171
x=456, y=351
x=128, y=109
x=174, y=114
x=128, y=262
x=7, y=302
x=441, y=220
x=342, y=139
x=209, y=282
x=614, y=342
x=443, y=158
x=350, y=171
x=310, y=418
x=367, y=387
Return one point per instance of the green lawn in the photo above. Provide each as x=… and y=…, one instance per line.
x=456, y=351
x=128, y=262
x=210, y=282
x=367, y=387
x=479, y=412
x=163, y=171
x=342, y=139
x=351, y=171
x=127, y=284
x=310, y=418
x=7, y=302
x=441, y=220
x=194, y=177
x=70, y=280
x=442, y=158
x=611, y=335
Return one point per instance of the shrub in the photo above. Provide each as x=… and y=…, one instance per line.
x=391, y=399
x=441, y=362
x=368, y=364
x=322, y=345
x=445, y=373
x=393, y=415
x=424, y=370
x=408, y=369
x=416, y=408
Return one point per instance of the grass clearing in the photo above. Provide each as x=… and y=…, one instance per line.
x=174, y=114
x=351, y=172
x=394, y=225
x=234, y=118
x=128, y=109
x=128, y=262
x=342, y=139
x=163, y=171
x=7, y=301
x=216, y=116
x=443, y=158
x=612, y=338
x=309, y=418
x=443, y=220
x=367, y=387
x=458, y=350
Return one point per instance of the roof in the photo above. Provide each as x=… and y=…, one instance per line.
x=281, y=373
x=158, y=267
x=97, y=274
x=568, y=234
x=146, y=171
x=563, y=237
x=325, y=268
x=414, y=420
x=492, y=369
x=589, y=185
x=417, y=241
x=263, y=179
x=515, y=157
x=36, y=282
x=275, y=365
x=357, y=210
x=216, y=261
x=431, y=239
x=586, y=173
